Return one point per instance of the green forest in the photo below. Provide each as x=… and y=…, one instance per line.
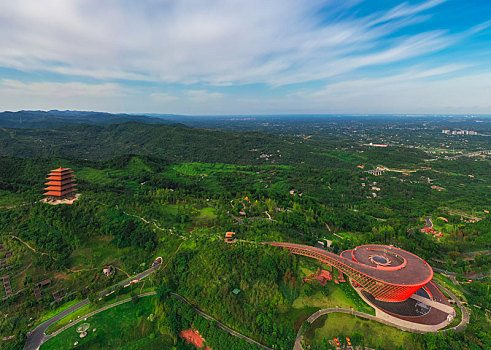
x=173, y=191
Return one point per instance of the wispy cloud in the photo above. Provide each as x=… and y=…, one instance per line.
x=221, y=43
x=203, y=95
x=59, y=90
x=413, y=91
x=163, y=97
x=191, y=56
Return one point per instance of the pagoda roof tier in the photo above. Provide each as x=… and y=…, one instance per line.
x=60, y=169
x=64, y=173
x=60, y=177
x=60, y=193
x=59, y=188
x=60, y=182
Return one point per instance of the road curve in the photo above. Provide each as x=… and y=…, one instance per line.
x=317, y=314
x=93, y=313
x=465, y=314
x=461, y=326
x=37, y=336
x=199, y=312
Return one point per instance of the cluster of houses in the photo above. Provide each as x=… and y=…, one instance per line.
x=431, y=230
x=373, y=187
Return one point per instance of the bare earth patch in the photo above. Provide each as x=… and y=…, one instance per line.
x=192, y=336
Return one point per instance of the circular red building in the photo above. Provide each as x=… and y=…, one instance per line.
x=387, y=273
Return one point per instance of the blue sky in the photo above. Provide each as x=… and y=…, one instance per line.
x=246, y=57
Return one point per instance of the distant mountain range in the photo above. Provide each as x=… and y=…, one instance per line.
x=54, y=118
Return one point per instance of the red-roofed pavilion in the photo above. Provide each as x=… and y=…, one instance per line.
x=61, y=183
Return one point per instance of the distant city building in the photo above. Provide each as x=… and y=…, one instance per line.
x=459, y=132
x=61, y=183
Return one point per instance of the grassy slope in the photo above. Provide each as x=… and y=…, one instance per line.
x=123, y=327
x=375, y=334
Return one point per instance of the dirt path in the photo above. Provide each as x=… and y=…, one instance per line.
x=31, y=248
x=173, y=255
x=154, y=224
x=126, y=273
x=82, y=270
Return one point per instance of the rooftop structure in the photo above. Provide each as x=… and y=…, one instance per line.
x=61, y=183
x=229, y=237
x=387, y=273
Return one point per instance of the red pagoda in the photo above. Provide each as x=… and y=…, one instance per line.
x=61, y=183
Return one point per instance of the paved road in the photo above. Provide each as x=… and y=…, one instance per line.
x=317, y=314
x=38, y=335
x=465, y=314
x=85, y=302
x=92, y=314
x=461, y=326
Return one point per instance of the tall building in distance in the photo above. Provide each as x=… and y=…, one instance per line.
x=61, y=184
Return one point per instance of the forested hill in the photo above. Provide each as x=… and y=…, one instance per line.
x=54, y=118
x=173, y=142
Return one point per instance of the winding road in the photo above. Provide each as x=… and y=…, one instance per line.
x=45, y=337
x=38, y=336
x=461, y=326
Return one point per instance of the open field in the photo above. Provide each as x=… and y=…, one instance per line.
x=84, y=310
x=123, y=327
x=374, y=334
x=313, y=294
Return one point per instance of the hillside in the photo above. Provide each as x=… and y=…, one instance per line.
x=174, y=142
x=55, y=118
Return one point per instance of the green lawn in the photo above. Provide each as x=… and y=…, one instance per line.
x=95, y=176
x=205, y=214
x=330, y=295
x=84, y=310
x=48, y=314
x=342, y=325
x=126, y=326
x=206, y=169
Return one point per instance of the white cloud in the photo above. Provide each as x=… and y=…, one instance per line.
x=202, y=95
x=162, y=97
x=410, y=92
x=59, y=90
x=218, y=42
